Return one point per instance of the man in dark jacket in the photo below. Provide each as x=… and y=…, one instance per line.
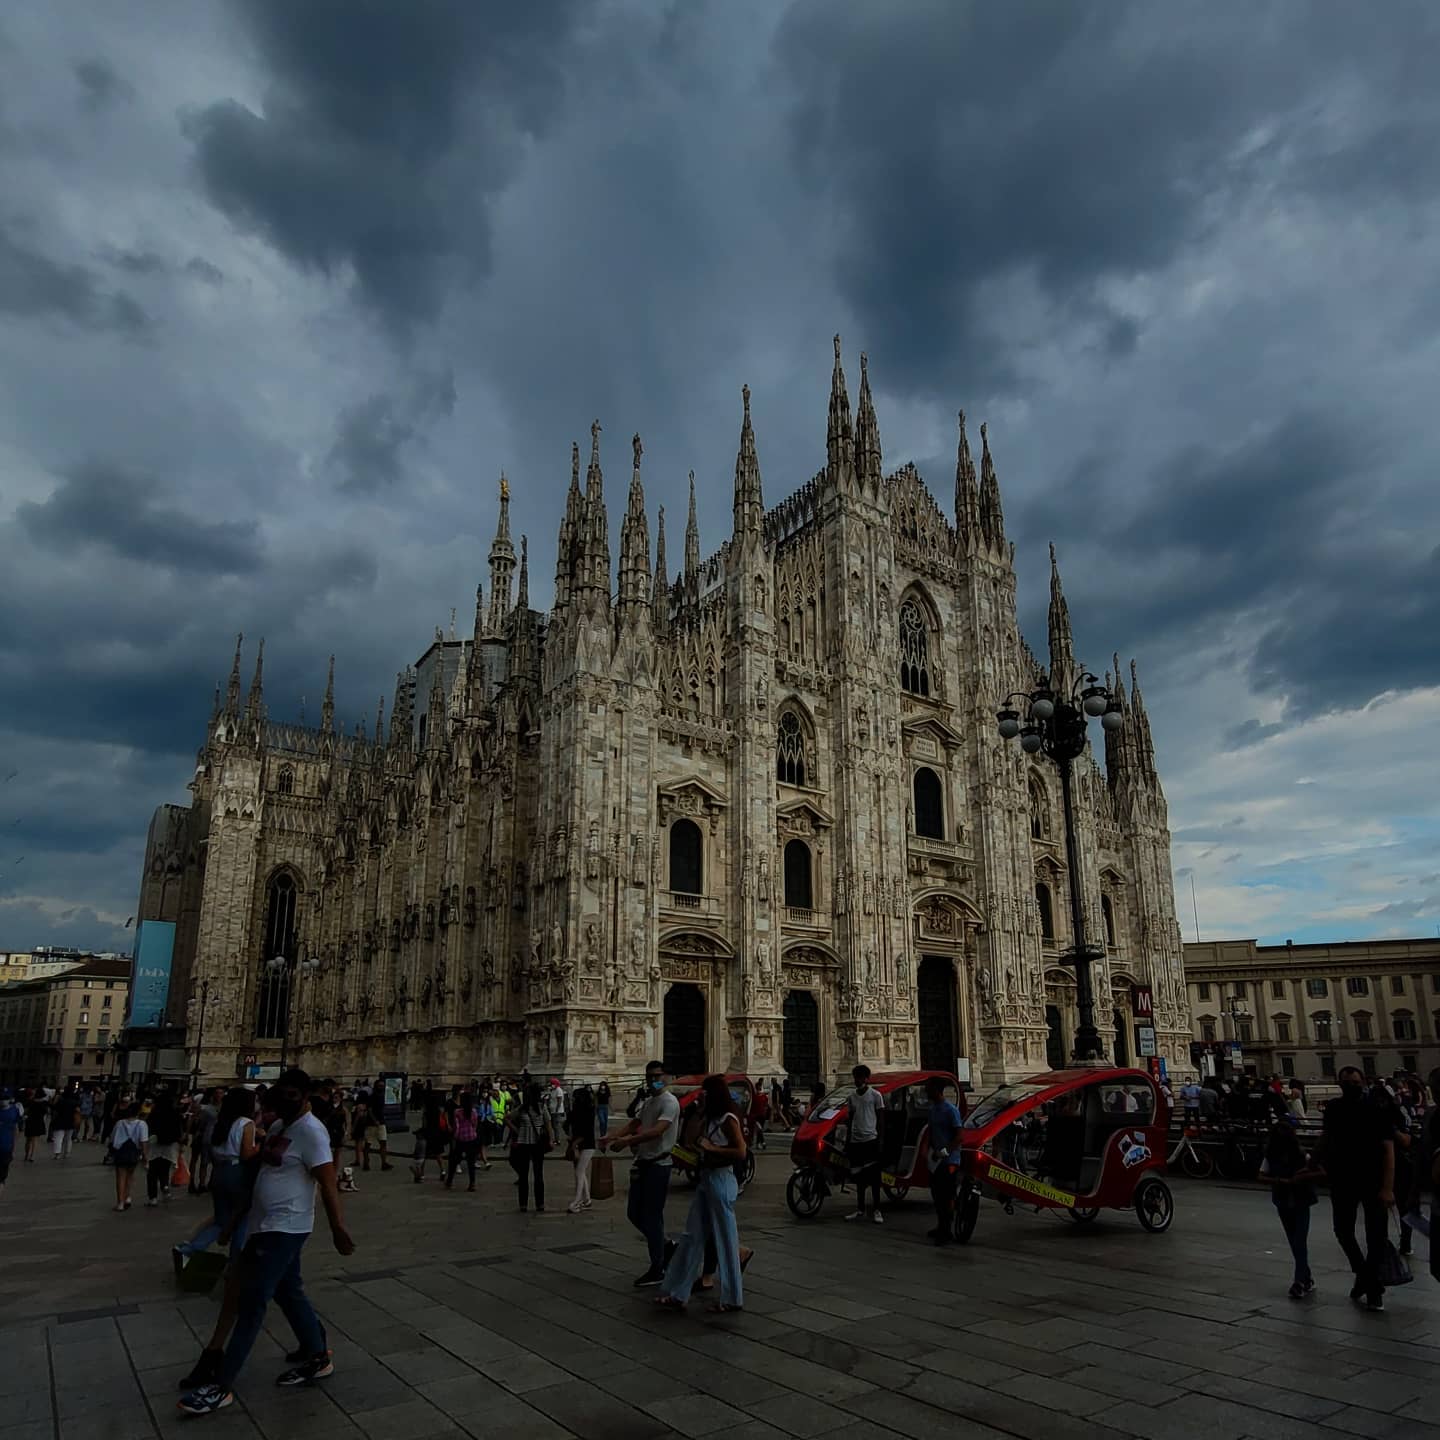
x=1358, y=1154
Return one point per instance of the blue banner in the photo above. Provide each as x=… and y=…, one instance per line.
x=150, y=975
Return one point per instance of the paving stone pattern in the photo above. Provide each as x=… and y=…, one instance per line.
x=459, y=1317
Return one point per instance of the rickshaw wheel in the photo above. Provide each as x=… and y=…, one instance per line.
x=803, y=1194
x=895, y=1193
x=1084, y=1214
x=1154, y=1205
x=967, y=1212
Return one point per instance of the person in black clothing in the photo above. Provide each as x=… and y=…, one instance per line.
x=1399, y=1130
x=1292, y=1189
x=1357, y=1153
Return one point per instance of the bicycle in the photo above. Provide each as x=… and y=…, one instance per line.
x=1189, y=1156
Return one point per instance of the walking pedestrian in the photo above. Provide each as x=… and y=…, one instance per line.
x=651, y=1134
x=37, y=1119
x=295, y=1158
x=487, y=1132
x=431, y=1138
x=712, y=1210
x=531, y=1136
x=1292, y=1191
x=1190, y=1102
x=1358, y=1155
x=862, y=1148
x=465, y=1142
x=602, y=1108
x=202, y=1137
x=944, y=1127
x=64, y=1117
x=377, y=1137
x=86, y=1122
x=12, y=1121
x=1398, y=1129
x=128, y=1142
x=582, y=1146
x=234, y=1148
x=166, y=1131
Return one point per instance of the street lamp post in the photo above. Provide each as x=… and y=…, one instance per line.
x=290, y=966
x=1055, y=724
x=200, y=1036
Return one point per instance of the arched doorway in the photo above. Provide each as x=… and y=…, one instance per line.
x=801, y=1043
x=935, y=998
x=684, y=1040
x=1054, y=1038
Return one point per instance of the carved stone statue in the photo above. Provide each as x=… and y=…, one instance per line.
x=612, y=983
x=637, y=952
x=592, y=852
x=762, y=964
x=764, y=879
x=592, y=949
x=870, y=975
x=557, y=943
x=747, y=995
x=987, y=996
x=466, y=983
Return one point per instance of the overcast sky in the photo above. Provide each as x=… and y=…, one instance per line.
x=283, y=286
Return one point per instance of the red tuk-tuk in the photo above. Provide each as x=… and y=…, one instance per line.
x=686, y=1089
x=1079, y=1140
x=818, y=1148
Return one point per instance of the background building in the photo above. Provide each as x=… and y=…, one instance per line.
x=43, y=961
x=59, y=1028
x=1307, y=1010
x=755, y=817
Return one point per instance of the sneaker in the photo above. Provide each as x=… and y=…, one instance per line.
x=317, y=1367
x=206, y=1400
x=1297, y=1291
x=206, y=1371
x=1357, y=1290
x=1309, y=1287
x=178, y=1257
x=877, y=1218
x=858, y=1215
x=1375, y=1303
x=649, y=1278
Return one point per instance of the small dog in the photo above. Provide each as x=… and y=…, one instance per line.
x=347, y=1180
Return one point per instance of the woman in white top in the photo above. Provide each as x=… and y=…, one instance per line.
x=233, y=1145
x=128, y=1142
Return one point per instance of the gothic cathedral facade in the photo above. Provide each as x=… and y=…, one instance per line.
x=754, y=818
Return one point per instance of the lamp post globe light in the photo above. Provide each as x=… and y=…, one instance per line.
x=1053, y=723
x=290, y=966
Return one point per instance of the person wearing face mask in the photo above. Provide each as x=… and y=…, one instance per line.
x=862, y=1149
x=295, y=1157
x=1357, y=1153
x=651, y=1134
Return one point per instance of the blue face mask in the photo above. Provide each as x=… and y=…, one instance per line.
x=658, y=1083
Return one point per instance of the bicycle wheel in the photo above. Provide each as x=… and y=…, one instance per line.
x=895, y=1193
x=1236, y=1162
x=967, y=1212
x=1195, y=1163
x=804, y=1194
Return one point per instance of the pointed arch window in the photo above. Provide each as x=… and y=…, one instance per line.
x=1039, y=809
x=687, y=857
x=799, y=881
x=914, y=649
x=1047, y=911
x=1107, y=913
x=790, y=768
x=279, y=940
x=929, y=804
x=286, y=782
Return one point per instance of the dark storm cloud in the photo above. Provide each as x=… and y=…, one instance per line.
x=35, y=285
x=372, y=436
x=100, y=86
x=354, y=164
x=105, y=505
x=959, y=146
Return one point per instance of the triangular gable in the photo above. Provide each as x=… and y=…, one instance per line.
x=933, y=728
x=800, y=813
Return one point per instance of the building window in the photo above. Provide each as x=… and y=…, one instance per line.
x=929, y=804
x=799, y=890
x=105, y=1003
x=1323, y=1027
x=687, y=855
x=1362, y=1028
x=1327, y=1066
x=790, y=750
x=77, y=1060
x=1397, y=984
x=1404, y=1024
x=102, y=1037
x=1357, y=985
x=82, y=1037
x=1287, y=1066
x=1435, y=982
x=1282, y=1031
x=1367, y=1064
x=84, y=1017
x=1202, y=990
x=274, y=998
x=914, y=649
x=1410, y=1063
x=1107, y=913
x=1207, y=1034
x=1047, y=911
x=1317, y=989
x=1239, y=989
x=1277, y=989
x=1247, y=1032
x=286, y=783
x=1039, y=809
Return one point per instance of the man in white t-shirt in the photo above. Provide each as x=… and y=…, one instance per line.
x=652, y=1135
x=866, y=1109
x=295, y=1157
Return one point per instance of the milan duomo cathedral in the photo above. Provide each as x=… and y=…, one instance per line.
x=754, y=817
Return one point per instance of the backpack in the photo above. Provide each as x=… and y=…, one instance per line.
x=465, y=1127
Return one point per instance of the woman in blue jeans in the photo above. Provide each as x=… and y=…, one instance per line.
x=712, y=1211
x=234, y=1147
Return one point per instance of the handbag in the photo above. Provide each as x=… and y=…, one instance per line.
x=602, y=1178
x=128, y=1154
x=1393, y=1269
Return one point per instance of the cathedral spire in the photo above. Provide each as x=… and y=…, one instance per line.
x=635, y=580
x=660, y=593
x=327, y=707
x=967, y=493
x=380, y=724
x=255, y=701
x=232, y=694
x=502, y=562
x=992, y=517
x=692, y=538
x=570, y=524
x=216, y=711
x=522, y=597
x=593, y=560
x=1144, y=741
x=402, y=712
x=435, y=726
x=839, y=438
x=867, y=433
x=749, y=502
x=1062, y=647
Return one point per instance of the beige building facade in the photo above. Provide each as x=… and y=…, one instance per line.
x=59, y=1028
x=1308, y=1010
x=753, y=816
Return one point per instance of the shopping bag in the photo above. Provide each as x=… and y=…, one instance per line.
x=182, y=1173
x=202, y=1270
x=602, y=1177
x=1393, y=1269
